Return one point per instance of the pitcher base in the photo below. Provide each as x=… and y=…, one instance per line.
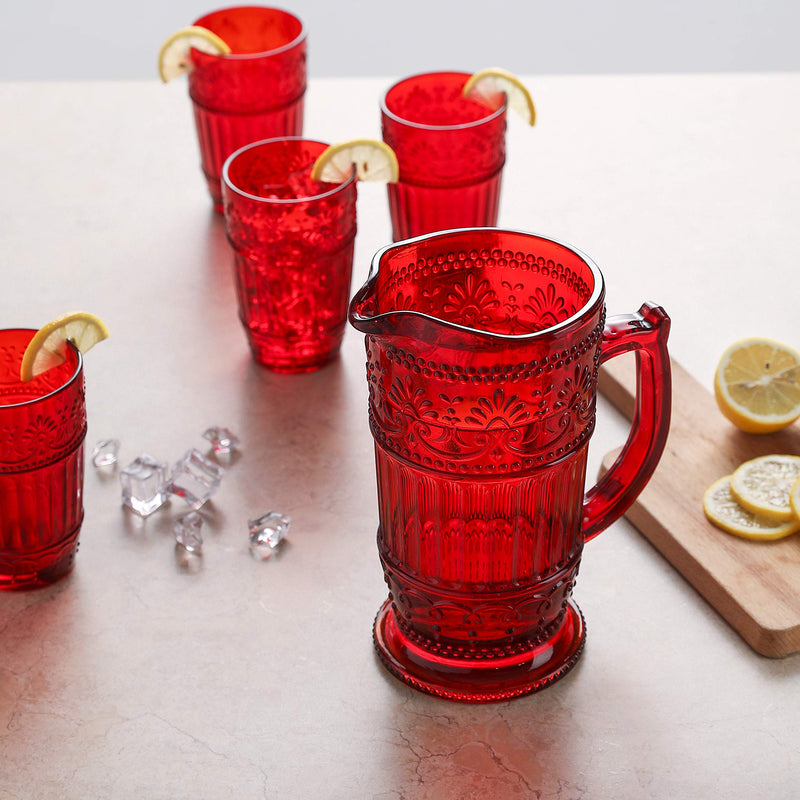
x=479, y=680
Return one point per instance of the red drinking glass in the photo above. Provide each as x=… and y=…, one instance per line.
x=483, y=348
x=450, y=150
x=255, y=92
x=293, y=244
x=42, y=428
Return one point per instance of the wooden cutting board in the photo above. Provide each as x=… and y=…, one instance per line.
x=755, y=586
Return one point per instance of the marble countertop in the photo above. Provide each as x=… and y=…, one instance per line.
x=144, y=674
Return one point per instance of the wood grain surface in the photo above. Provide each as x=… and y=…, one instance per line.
x=755, y=586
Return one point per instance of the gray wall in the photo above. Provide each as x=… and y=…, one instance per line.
x=119, y=39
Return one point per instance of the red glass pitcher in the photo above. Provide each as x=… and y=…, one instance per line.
x=483, y=347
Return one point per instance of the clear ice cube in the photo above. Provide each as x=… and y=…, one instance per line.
x=105, y=452
x=266, y=533
x=187, y=530
x=143, y=484
x=223, y=440
x=194, y=478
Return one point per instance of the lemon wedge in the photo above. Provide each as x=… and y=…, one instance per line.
x=722, y=509
x=485, y=85
x=373, y=160
x=46, y=349
x=174, y=59
x=762, y=485
x=757, y=385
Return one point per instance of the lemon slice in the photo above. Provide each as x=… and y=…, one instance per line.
x=173, y=58
x=762, y=485
x=373, y=160
x=721, y=508
x=757, y=385
x=46, y=349
x=488, y=83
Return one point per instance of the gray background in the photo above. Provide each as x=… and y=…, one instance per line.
x=111, y=39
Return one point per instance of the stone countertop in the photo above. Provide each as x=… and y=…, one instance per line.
x=144, y=674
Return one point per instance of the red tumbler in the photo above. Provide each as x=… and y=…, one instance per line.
x=483, y=348
x=42, y=429
x=293, y=242
x=450, y=150
x=255, y=92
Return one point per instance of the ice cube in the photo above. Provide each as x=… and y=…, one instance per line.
x=105, y=452
x=266, y=533
x=187, y=530
x=223, y=440
x=194, y=478
x=143, y=484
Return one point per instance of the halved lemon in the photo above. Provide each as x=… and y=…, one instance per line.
x=46, y=349
x=722, y=509
x=762, y=485
x=486, y=84
x=373, y=160
x=174, y=59
x=757, y=385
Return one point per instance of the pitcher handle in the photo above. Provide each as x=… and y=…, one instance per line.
x=646, y=334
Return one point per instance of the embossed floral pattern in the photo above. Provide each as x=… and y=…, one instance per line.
x=404, y=397
x=510, y=418
x=548, y=307
x=498, y=411
x=44, y=422
x=470, y=302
